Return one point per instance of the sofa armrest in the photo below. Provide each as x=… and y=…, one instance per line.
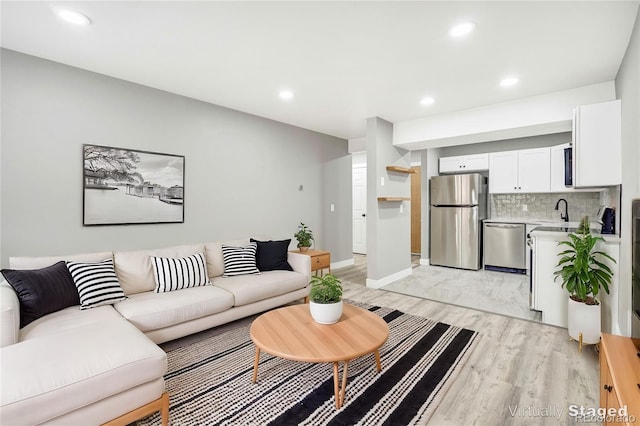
x=300, y=263
x=9, y=315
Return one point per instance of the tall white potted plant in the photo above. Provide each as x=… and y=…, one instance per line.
x=583, y=273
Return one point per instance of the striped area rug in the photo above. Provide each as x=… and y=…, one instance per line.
x=209, y=382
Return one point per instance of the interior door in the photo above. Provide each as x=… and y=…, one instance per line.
x=416, y=207
x=359, y=209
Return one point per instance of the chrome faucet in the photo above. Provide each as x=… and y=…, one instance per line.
x=564, y=216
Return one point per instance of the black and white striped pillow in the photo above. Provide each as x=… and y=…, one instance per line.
x=239, y=260
x=178, y=273
x=97, y=283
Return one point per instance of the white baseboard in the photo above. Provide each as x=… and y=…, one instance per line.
x=388, y=279
x=342, y=263
x=424, y=262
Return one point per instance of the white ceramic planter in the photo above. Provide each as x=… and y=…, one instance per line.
x=326, y=313
x=584, y=319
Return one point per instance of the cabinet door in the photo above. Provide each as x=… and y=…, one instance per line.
x=534, y=170
x=474, y=163
x=597, y=145
x=449, y=164
x=503, y=172
x=557, y=169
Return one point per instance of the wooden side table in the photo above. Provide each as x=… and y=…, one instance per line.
x=320, y=260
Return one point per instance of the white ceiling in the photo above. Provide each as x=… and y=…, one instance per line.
x=344, y=61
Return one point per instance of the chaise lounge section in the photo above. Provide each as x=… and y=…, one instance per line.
x=90, y=366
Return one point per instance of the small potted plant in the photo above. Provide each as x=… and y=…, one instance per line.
x=325, y=299
x=304, y=237
x=583, y=273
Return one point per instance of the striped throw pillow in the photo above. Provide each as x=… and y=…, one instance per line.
x=178, y=273
x=239, y=260
x=97, y=283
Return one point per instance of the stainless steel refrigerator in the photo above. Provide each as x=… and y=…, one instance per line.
x=458, y=206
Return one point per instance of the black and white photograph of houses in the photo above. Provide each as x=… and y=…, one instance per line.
x=127, y=186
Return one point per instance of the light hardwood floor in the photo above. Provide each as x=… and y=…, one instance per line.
x=521, y=372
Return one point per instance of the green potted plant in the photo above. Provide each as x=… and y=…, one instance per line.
x=304, y=237
x=584, y=273
x=325, y=299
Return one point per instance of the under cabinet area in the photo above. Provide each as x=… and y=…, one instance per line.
x=525, y=170
x=464, y=163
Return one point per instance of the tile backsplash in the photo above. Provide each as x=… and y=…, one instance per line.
x=540, y=206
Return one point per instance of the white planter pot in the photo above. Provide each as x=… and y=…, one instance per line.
x=326, y=313
x=584, y=319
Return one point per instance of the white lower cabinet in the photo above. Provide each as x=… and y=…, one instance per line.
x=551, y=298
x=526, y=170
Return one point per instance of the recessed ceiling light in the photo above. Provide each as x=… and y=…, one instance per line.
x=286, y=94
x=427, y=101
x=462, y=29
x=509, y=81
x=73, y=17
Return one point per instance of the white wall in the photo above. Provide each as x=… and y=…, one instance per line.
x=545, y=114
x=242, y=172
x=628, y=90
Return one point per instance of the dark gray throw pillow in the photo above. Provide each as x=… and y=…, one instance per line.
x=42, y=291
x=272, y=255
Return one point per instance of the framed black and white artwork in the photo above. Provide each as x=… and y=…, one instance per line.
x=126, y=186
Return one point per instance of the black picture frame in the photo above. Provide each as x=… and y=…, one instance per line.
x=123, y=186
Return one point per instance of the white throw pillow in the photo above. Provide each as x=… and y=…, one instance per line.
x=239, y=260
x=97, y=283
x=178, y=273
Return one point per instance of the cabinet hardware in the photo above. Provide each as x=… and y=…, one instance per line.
x=608, y=388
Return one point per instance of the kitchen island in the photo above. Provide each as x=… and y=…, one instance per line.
x=548, y=295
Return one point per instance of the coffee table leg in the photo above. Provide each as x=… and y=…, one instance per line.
x=344, y=382
x=378, y=365
x=336, y=380
x=255, y=365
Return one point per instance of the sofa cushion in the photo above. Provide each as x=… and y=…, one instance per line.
x=68, y=369
x=134, y=267
x=151, y=311
x=272, y=255
x=173, y=273
x=42, y=291
x=240, y=260
x=252, y=288
x=97, y=283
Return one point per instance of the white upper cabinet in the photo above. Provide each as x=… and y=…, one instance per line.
x=597, y=145
x=526, y=170
x=557, y=169
x=464, y=163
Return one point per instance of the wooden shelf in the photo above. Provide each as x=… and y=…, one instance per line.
x=400, y=169
x=394, y=198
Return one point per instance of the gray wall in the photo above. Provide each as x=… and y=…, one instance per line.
x=628, y=90
x=388, y=230
x=242, y=171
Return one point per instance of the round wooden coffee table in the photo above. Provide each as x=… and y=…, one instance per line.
x=291, y=333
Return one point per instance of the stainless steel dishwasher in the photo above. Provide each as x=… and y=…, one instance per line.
x=504, y=247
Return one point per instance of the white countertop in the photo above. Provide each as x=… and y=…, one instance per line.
x=529, y=221
x=556, y=234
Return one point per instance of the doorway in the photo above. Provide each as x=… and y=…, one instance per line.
x=359, y=209
x=416, y=211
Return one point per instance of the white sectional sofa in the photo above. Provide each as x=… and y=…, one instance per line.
x=90, y=366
